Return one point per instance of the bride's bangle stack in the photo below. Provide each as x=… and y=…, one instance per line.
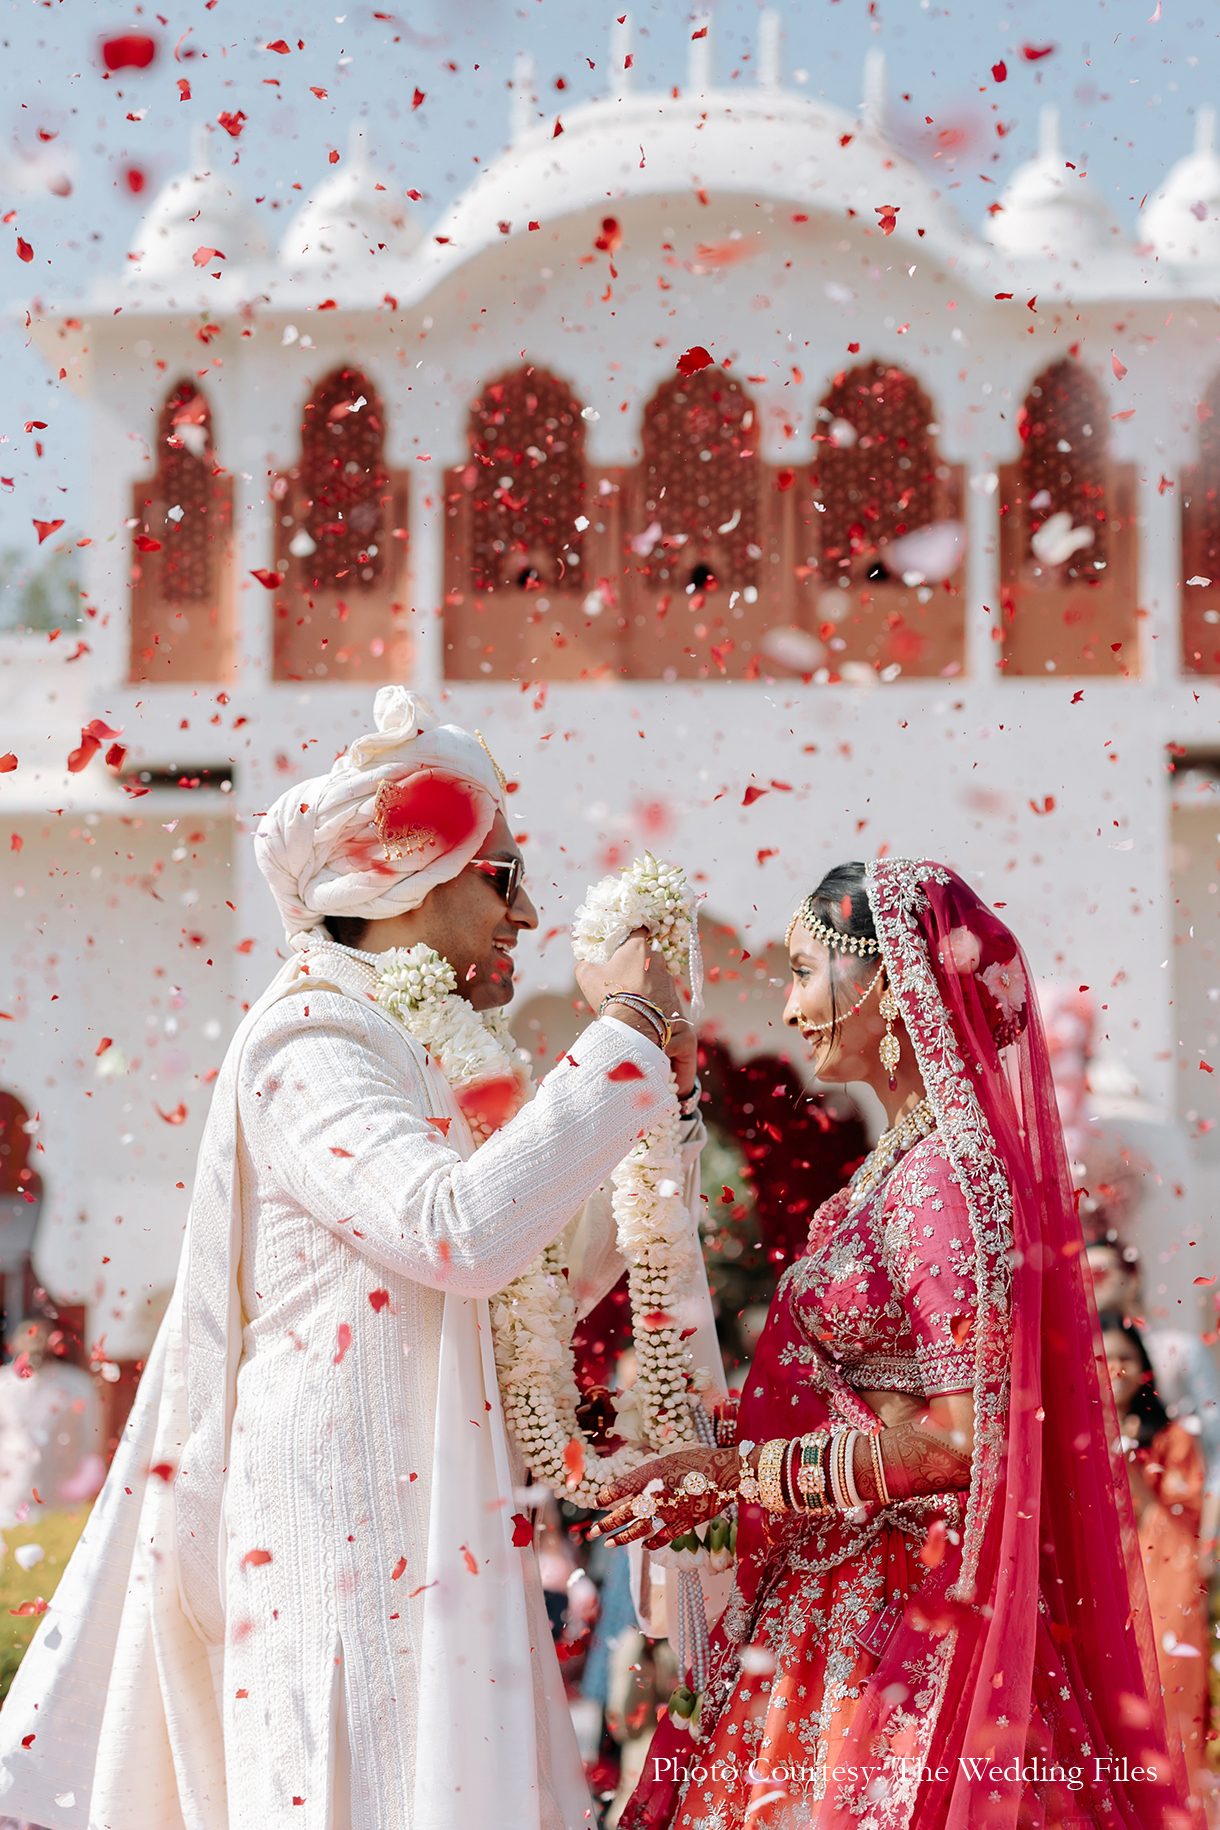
x=811, y=1473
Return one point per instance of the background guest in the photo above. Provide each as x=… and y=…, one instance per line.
x=1165, y=1470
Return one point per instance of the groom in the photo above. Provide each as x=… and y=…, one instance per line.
x=300, y=1598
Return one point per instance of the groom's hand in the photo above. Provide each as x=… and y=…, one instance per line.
x=633, y=967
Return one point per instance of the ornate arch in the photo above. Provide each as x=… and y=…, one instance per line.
x=344, y=479
x=1068, y=557
x=341, y=541
x=1064, y=428
x=698, y=482
x=527, y=444
x=877, y=467
x=885, y=526
x=181, y=617
x=1200, y=511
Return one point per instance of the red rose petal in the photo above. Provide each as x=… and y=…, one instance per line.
x=129, y=51
x=694, y=359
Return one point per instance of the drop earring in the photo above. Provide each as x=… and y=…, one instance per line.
x=890, y=1048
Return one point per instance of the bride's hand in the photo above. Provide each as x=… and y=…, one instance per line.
x=713, y=1476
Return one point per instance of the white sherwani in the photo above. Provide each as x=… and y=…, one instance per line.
x=302, y=1560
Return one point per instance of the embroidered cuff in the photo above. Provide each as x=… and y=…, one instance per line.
x=945, y=1368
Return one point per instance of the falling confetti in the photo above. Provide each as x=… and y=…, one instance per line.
x=693, y=359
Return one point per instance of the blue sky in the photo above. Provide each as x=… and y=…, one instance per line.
x=1127, y=87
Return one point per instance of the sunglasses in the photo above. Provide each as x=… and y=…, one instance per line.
x=507, y=874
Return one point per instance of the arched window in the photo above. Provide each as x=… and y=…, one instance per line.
x=1200, y=510
x=341, y=541
x=181, y=572
x=528, y=540
x=527, y=443
x=887, y=528
x=693, y=546
x=1067, y=535
x=1063, y=426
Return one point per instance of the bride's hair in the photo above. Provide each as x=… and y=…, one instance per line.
x=841, y=902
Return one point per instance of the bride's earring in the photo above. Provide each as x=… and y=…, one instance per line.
x=890, y=1048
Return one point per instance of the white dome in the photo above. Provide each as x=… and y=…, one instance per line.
x=354, y=215
x=1182, y=222
x=1049, y=211
x=198, y=209
x=707, y=143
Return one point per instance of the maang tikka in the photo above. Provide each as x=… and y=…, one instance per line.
x=890, y=1048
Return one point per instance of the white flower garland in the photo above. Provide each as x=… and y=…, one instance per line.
x=533, y=1319
x=475, y=1049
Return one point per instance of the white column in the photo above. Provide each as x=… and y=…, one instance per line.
x=106, y=572
x=253, y=605
x=1158, y=526
x=873, y=108
x=770, y=50
x=525, y=103
x=622, y=77
x=427, y=583
x=699, y=69
x=983, y=652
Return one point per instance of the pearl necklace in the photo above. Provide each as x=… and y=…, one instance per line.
x=919, y=1123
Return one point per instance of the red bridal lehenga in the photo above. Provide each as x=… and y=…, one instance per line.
x=1012, y=1682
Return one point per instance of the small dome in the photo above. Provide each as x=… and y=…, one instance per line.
x=198, y=209
x=353, y=215
x=1050, y=211
x=1182, y=222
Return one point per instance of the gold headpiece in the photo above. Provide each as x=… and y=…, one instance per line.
x=398, y=839
x=830, y=937
x=500, y=775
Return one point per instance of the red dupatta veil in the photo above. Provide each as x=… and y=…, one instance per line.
x=1048, y=1514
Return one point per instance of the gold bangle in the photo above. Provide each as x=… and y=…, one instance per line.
x=645, y=1007
x=883, y=1492
x=770, y=1469
x=839, y=1471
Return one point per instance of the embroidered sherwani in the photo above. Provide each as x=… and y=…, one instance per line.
x=383, y=1642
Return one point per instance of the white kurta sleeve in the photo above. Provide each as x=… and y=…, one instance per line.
x=335, y=1106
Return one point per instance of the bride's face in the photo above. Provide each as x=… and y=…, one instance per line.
x=849, y=1051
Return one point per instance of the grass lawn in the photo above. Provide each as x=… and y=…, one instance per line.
x=57, y=1533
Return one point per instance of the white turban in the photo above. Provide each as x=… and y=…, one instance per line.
x=320, y=846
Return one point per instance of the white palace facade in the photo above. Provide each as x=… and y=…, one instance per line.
x=919, y=549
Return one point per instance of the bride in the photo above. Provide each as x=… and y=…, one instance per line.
x=939, y=1616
